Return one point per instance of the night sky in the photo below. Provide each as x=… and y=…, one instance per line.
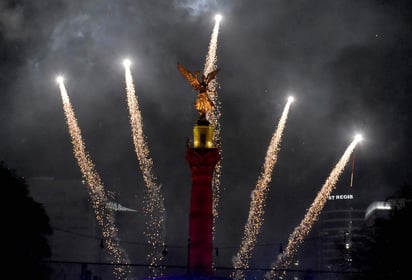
x=347, y=63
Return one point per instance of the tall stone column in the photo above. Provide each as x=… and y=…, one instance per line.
x=202, y=158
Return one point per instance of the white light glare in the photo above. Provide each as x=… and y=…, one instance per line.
x=358, y=137
x=59, y=79
x=127, y=62
x=218, y=17
x=291, y=99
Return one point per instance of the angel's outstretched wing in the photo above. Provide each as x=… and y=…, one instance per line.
x=194, y=82
x=211, y=76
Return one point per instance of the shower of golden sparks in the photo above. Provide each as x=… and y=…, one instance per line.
x=297, y=237
x=98, y=198
x=258, y=198
x=214, y=115
x=154, y=201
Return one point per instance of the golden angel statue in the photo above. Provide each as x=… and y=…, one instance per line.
x=203, y=103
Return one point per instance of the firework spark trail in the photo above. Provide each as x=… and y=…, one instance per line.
x=258, y=197
x=154, y=201
x=214, y=115
x=297, y=237
x=353, y=167
x=98, y=198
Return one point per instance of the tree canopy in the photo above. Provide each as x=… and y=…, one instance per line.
x=25, y=228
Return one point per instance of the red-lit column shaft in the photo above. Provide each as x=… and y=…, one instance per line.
x=202, y=164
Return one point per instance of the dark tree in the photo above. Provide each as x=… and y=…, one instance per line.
x=382, y=252
x=25, y=226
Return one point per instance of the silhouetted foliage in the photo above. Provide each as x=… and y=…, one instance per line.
x=382, y=251
x=25, y=226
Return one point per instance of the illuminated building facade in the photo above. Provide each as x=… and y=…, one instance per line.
x=340, y=222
